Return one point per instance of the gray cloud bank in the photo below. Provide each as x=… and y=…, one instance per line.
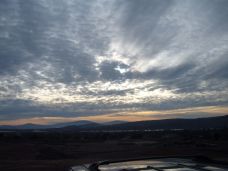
x=80, y=58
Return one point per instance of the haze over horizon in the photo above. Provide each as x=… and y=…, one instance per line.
x=105, y=60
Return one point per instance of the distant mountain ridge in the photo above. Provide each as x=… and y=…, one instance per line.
x=217, y=122
x=114, y=122
x=57, y=125
x=81, y=124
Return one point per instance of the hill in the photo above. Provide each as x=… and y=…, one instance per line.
x=218, y=122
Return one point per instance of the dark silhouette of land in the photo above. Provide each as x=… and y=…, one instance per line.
x=58, y=149
x=219, y=122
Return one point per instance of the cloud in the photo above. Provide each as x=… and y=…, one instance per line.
x=113, y=70
x=81, y=58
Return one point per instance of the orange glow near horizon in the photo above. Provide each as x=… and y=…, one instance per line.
x=127, y=116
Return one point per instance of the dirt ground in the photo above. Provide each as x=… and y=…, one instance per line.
x=60, y=151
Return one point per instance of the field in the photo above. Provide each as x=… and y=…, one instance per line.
x=57, y=151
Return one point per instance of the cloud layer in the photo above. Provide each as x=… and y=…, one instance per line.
x=87, y=58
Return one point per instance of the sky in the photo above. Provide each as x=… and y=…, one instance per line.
x=103, y=60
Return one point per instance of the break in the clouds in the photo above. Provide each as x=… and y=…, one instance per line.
x=79, y=58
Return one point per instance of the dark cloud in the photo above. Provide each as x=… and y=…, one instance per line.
x=37, y=33
x=169, y=73
x=109, y=70
x=29, y=109
x=93, y=57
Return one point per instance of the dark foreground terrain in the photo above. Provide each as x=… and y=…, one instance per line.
x=57, y=151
